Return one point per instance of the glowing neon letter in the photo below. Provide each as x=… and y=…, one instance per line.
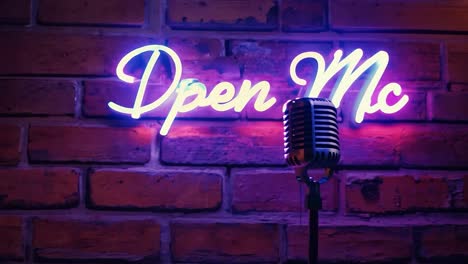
x=220, y=102
x=221, y=98
x=137, y=109
x=247, y=91
x=378, y=62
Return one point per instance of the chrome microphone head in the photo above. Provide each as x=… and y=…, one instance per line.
x=311, y=133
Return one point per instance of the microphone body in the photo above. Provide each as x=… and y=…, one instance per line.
x=311, y=138
x=311, y=141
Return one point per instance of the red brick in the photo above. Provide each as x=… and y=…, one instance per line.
x=465, y=190
x=450, y=106
x=224, y=242
x=89, y=144
x=303, y=15
x=222, y=14
x=352, y=243
x=196, y=48
x=11, y=246
x=9, y=144
x=223, y=143
x=370, y=145
x=441, y=145
x=282, y=193
x=455, y=87
x=204, y=59
x=443, y=242
x=67, y=239
x=409, y=61
x=387, y=192
x=15, y=12
x=396, y=16
x=457, y=61
x=212, y=71
x=157, y=190
x=53, y=54
x=37, y=97
x=38, y=188
x=76, y=12
x=269, y=60
x=458, y=191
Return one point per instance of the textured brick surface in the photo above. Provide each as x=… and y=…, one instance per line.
x=247, y=143
x=457, y=61
x=32, y=97
x=434, y=146
x=387, y=192
x=63, y=54
x=89, y=144
x=349, y=244
x=111, y=12
x=196, y=48
x=9, y=144
x=370, y=145
x=221, y=243
x=270, y=59
x=450, y=106
x=207, y=60
x=158, y=190
x=80, y=182
x=441, y=242
x=281, y=194
x=130, y=240
x=222, y=14
x=458, y=186
x=303, y=15
x=459, y=87
x=394, y=16
x=11, y=243
x=408, y=61
x=38, y=188
x=15, y=11
x=465, y=190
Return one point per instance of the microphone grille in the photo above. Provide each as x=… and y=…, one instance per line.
x=311, y=132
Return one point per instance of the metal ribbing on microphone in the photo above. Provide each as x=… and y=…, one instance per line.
x=311, y=136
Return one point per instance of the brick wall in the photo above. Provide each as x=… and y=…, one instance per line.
x=79, y=182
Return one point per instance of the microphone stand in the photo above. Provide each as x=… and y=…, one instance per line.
x=314, y=204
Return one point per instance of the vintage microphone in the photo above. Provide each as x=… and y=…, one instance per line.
x=311, y=141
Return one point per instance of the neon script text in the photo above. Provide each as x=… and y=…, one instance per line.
x=223, y=96
x=378, y=63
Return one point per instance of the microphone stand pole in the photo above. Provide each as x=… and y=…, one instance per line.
x=314, y=204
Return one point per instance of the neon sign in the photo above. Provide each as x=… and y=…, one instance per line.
x=378, y=63
x=223, y=95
